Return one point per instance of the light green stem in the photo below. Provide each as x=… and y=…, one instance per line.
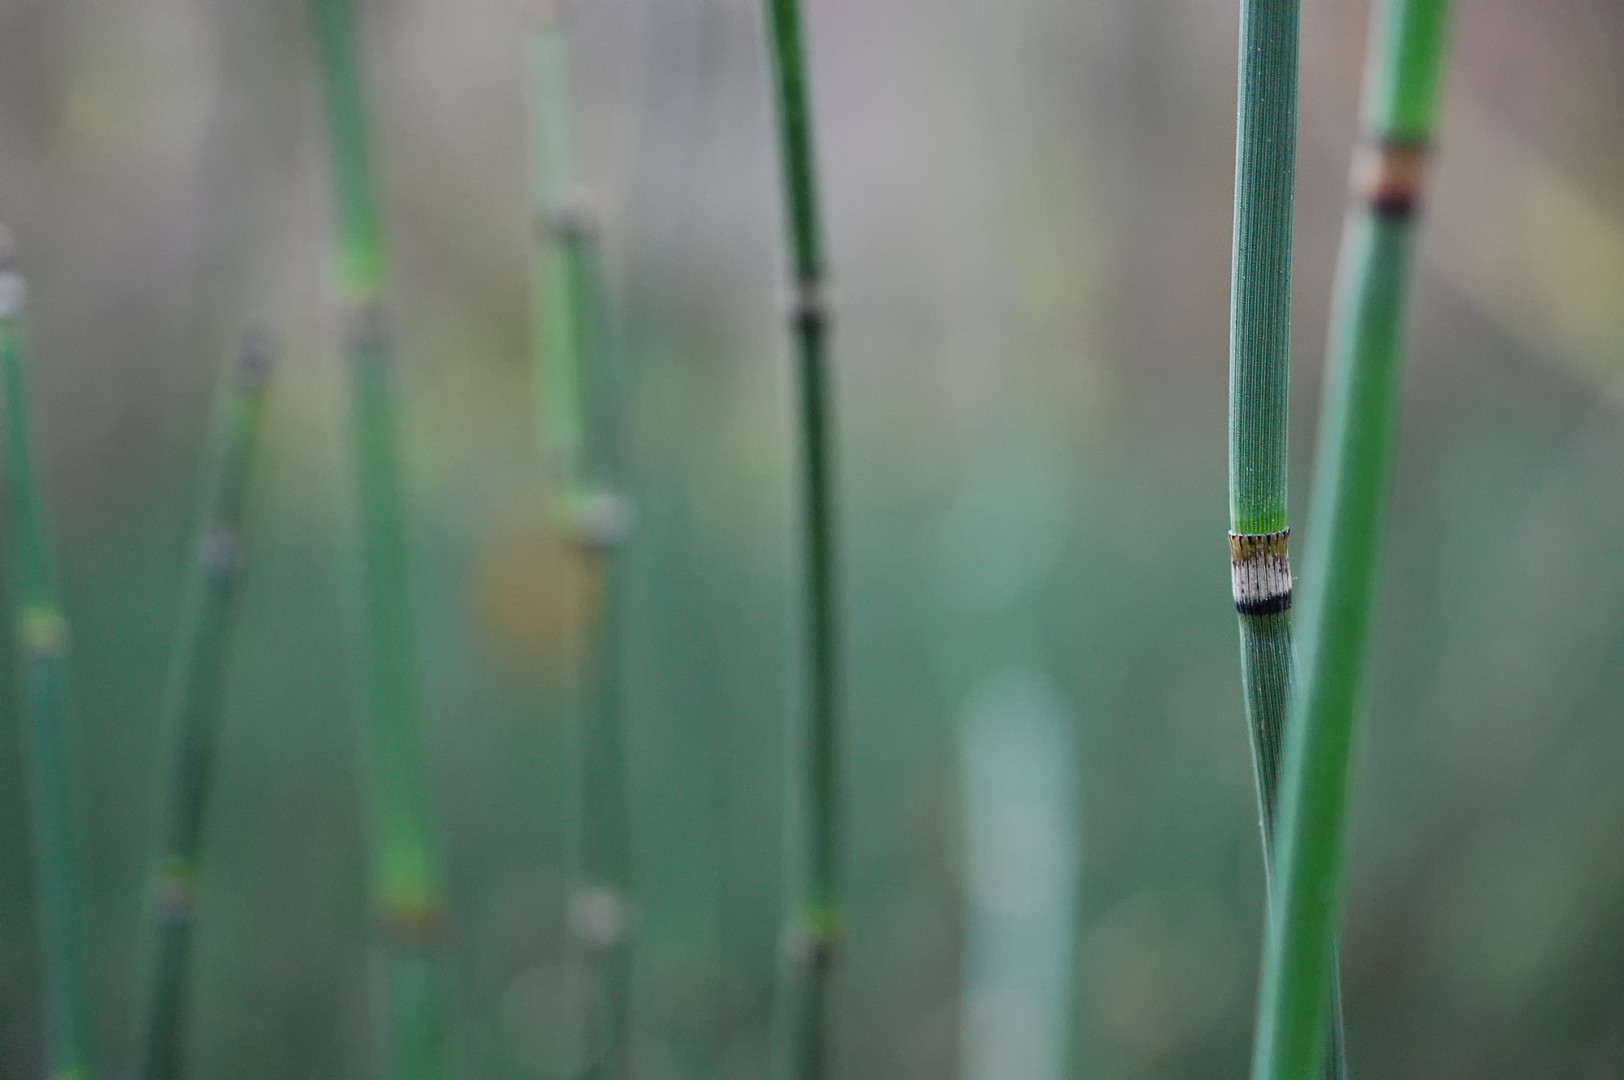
x=405, y=871
x=1259, y=382
x=1350, y=495
x=580, y=422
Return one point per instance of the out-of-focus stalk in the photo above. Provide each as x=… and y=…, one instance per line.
x=43, y=635
x=1350, y=494
x=812, y=891
x=580, y=434
x=405, y=864
x=196, y=680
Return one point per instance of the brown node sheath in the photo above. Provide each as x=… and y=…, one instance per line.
x=412, y=923
x=1388, y=175
x=1260, y=572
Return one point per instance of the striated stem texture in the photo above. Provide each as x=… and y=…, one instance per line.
x=1259, y=380
x=1350, y=493
x=405, y=865
x=201, y=655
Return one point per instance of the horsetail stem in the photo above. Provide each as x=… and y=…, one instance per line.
x=812, y=892
x=1259, y=380
x=405, y=870
x=1350, y=492
x=196, y=680
x=580, y=426
x=42, y=633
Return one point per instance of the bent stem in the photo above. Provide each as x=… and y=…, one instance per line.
x=580, y=432
x=1350, y=493
x=812, y=894
x=196, y=679
x=405, y=865
x=42, y=632
x=1259, y=379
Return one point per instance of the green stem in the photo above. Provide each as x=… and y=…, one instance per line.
x=812, y=900
x=194, y=700
x=581, y=436
x=405, y=869
x=42, y=632
x=1350, y=495
x=1259, y=371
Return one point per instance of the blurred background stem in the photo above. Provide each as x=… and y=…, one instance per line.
x=43, y=634
x=580, y=411
x=1349, y=499
x=812, y=833
x=202, y=653
x=406, y=885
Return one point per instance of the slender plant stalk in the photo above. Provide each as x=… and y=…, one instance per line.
x=196, y=680
x=1259, y=377
x=1350, y=495
x=580, y=425
x=812, y=901
x=43, y=633
x=405, y=870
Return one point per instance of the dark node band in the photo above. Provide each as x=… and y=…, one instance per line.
x=1272, y=605
x=1260, y=572
x=808, y=305
x=1389, y=174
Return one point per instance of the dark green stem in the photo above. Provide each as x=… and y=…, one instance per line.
x=1259, y=372
x=581, y=436
x=42, y=632
x=812, y=898
x=1350, y=494
x=201, y=652
x=405, y=870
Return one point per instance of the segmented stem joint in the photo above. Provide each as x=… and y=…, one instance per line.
x=807, y=307
x=221, y=556
x=811, y=939
x=412, y=923
x=366, y=326
x=1388, y=175
x=1260, y=572
x=600, y=916
x=572, y=217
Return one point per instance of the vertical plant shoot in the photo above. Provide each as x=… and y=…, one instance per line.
x=812, y=896
x=42, y=633
x=580, y=430
x=1259, y=354
x=405, y=869
x=1350, y=494
x=1259, y=380
x=194, y=701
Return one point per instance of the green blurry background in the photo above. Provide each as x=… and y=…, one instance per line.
x=1029, y=208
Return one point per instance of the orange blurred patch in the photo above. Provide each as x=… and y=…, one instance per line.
x=538, y=591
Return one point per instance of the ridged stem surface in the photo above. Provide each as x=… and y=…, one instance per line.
x=580, y=424
x=405, y=871
x=1350, y=494
x=41, y=632
x=196, y=679
x=1259, y=384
